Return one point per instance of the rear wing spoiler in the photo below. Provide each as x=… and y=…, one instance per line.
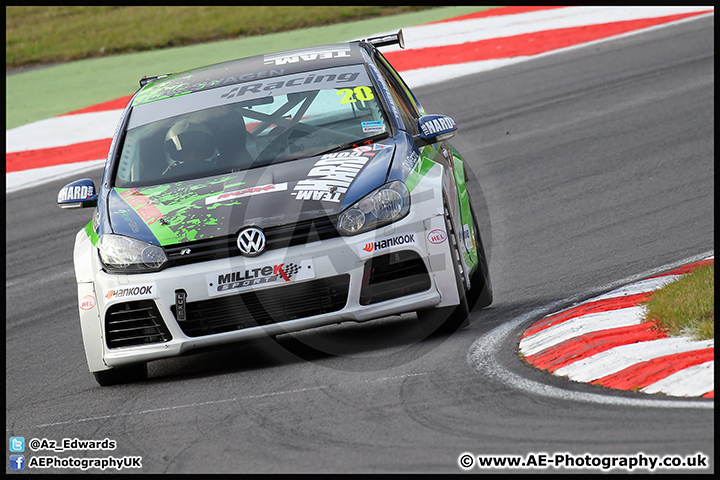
x=145, y=80
x=385, y=40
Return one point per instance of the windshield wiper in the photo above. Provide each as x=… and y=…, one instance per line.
x=357, y=143
x=264, y=162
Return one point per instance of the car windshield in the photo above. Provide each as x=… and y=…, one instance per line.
x=249, y=125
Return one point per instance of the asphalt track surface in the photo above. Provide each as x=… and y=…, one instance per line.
x=594, y=165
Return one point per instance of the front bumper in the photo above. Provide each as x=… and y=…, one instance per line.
x=389, y=271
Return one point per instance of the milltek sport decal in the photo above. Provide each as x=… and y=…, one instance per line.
x=279, y=273
x=246, y=192
x=331, y=177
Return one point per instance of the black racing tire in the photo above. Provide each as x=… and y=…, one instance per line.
x=446, y=320
x=480, y=294
x=116, y=376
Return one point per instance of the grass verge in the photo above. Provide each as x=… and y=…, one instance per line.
x=41, y=35
x=686, y=306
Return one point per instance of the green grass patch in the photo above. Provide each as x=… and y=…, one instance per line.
x=686, y=306
x=33, y=94
x=41, y=35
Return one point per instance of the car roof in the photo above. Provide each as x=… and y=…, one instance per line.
x=247, y=69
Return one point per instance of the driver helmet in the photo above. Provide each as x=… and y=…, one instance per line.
x=188, y=142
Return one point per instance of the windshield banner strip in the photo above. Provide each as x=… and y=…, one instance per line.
x=338, y=77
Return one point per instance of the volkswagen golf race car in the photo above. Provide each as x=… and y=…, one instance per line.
x=268, y=195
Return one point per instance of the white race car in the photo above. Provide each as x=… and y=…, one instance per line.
x=268, y=195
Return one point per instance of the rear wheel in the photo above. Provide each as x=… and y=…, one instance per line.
x=116, y=376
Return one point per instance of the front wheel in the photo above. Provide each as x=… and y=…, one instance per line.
x=480, y=294
x=116, y=376
x=437, y=321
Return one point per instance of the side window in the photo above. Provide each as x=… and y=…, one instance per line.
x=407, y=105
x=406, y=92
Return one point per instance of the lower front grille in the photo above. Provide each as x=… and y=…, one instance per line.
x=281, y=236
x=393, y=275
x=134, y=323
x=263, y=307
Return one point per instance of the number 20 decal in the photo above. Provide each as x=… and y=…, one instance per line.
x=361, y=93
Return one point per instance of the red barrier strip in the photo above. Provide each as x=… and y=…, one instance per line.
x=495, y=12
x=117, y=104
x=584, y=346
x=611, y=303
x=646, y=373
x=527, y=44
x=46, y=157
x=599, y=306
x=519, y=45
x=687, y=268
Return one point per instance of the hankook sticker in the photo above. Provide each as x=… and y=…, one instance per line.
x=386, y=243
x=131, y=291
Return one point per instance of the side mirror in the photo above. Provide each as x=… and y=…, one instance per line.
x=435, y=128
x=78, y=194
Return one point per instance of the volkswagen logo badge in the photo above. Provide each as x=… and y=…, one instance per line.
x=251, y=241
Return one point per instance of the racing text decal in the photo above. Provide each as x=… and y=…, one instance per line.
x=292, y=83
x=331, y=177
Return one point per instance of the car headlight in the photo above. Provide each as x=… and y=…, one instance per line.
x=122, y=254
x=387, y=204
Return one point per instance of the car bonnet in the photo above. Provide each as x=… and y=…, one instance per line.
x=218, y=206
